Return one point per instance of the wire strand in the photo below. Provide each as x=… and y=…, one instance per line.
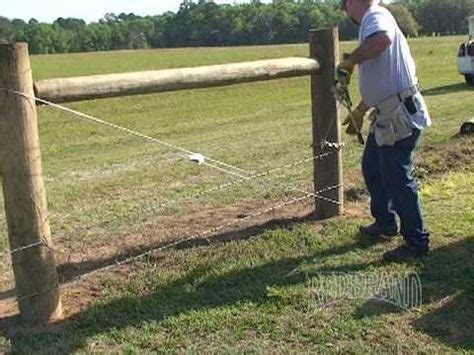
x=217, y=165
x=202, y=234
x=132, y=132
x=200, y=194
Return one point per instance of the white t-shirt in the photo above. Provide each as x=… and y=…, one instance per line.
x=394, y=70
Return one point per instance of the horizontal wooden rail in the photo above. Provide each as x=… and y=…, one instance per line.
x=112, y=85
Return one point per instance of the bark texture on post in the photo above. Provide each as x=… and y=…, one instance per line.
x=324, y=47
x=24, y=193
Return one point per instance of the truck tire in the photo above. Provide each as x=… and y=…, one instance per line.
x=467, y=128
x=469, y=78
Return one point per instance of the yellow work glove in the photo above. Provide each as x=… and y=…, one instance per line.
x=355, y=120
x=344, y=72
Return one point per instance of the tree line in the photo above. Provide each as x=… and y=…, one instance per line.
x=204, y=23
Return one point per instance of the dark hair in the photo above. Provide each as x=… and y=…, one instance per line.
x=343, y=4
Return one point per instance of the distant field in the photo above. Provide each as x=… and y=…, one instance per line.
x=105, y=188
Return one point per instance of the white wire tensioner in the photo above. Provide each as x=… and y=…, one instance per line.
x=197, y=158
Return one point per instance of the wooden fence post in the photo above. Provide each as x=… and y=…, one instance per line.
x=24, y=193
x=324, y=47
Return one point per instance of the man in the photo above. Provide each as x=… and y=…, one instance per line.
x=389, y=85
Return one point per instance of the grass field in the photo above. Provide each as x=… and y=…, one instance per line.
x=246, y=287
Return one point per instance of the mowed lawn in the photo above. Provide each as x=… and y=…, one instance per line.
x=245, y=287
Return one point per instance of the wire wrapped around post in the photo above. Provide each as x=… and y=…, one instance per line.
x=324, y=47
x=24, y=191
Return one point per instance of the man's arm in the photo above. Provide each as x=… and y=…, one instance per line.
x=370, y=48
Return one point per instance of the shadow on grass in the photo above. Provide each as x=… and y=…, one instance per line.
x=447, y=89
x=70, y=270
x=182, y=296
x=447, y=279
x=448, y=283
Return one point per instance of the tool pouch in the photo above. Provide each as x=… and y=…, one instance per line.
x=391, y=125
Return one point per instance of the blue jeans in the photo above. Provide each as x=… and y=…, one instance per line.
x=393, y=191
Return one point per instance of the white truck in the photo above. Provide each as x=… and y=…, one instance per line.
x=466, y=55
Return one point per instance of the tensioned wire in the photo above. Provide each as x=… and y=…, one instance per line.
x=174, y=147
x=228, y=169
x=176, y=243
x=201, y=234
x=199, y=194
x=182, y=150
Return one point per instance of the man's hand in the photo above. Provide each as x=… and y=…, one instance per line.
x=355, y=120
x=344, y=72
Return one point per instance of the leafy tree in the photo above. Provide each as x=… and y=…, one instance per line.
x=205, y=23
x=72, y=24
x=444, y=17
x=6, y=30
x=405, y=19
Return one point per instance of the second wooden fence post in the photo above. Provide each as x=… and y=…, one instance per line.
x=324, y=47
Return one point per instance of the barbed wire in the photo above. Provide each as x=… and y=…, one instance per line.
x=201, y=159
x=292, y=188
x=176, y=243
x=199, y=194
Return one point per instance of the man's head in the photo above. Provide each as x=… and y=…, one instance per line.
x=356, y=8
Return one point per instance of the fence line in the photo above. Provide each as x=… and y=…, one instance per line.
x=33, y=275
x=242, y=179
x=230, y=223
x=199, y=194
x=186, y=153
x=176, y=243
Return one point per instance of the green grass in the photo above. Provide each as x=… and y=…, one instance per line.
x=247, y=294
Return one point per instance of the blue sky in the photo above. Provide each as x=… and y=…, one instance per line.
x=89, y=10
